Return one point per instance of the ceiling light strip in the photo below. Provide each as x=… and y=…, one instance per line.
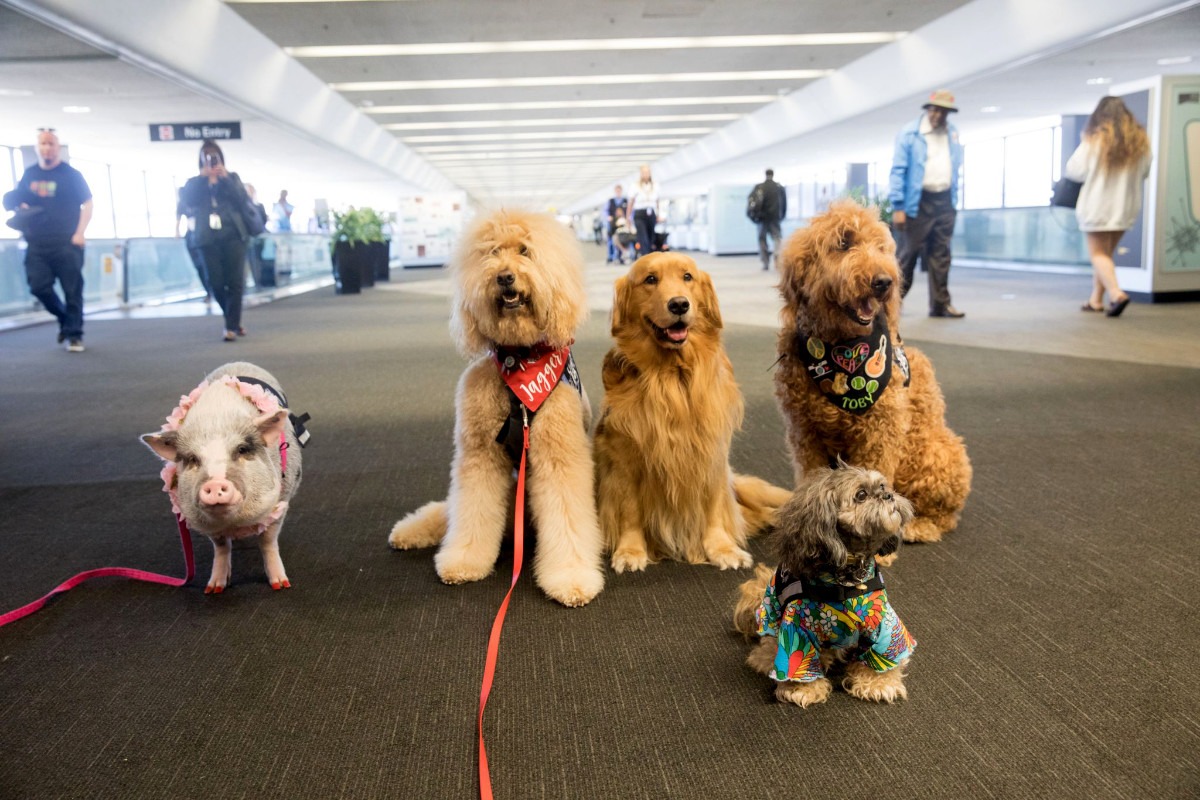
x=565, y=121
x=549, y=105
x=582, y=80
x=606, y=146
x=500, y=137
x=592, y=45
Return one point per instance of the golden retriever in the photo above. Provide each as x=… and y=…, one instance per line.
x=847, y=386
x=664, y=487
x=518, y=290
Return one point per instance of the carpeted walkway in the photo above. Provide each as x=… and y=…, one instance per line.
x=1055, y=628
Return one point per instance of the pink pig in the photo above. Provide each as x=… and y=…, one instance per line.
x=226, y=446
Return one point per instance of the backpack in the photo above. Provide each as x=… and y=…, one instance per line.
x=755, y=202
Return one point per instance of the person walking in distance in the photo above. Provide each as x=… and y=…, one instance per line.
x=768, y=202
x=1112, y=161
x=643, y=211
x=924, y=194
x=59, y=205
x=617, y=208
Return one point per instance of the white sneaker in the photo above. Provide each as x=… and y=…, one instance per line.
x=75, y=346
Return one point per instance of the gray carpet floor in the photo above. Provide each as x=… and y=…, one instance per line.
x=1055, y=627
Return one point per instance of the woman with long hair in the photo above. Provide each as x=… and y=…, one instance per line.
x=215, y=199
x=642, y=211
x=1112, y=161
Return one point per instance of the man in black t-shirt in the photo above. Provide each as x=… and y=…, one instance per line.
x=55, y=235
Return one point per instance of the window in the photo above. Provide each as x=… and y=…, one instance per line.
x=983, y=174
x=1028, y=168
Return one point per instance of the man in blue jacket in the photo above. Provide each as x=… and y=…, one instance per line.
x=924, y=195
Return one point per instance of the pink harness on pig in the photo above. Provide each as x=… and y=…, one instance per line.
x=265, y=402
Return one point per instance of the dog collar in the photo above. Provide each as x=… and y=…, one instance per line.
x=824, y=588
x=853, y=373
x=531, y=373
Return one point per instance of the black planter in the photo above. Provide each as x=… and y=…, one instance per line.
x=349, y=264
x=379, y=260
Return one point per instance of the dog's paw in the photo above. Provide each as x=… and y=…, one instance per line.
x=804, y=694
x=886, y=561
x=762, y=656
x=878, y=687
x=424, y=527
x=454, y=567
x=923, y=529
x=573, y=588
x=630, y=559
x=729, y=556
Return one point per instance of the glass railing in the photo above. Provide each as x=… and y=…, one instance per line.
x=1042, y=235
x=123, y=273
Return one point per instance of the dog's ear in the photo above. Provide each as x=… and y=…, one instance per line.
x=807, y=540
x=709, y=306
x=890, y=545
x=620, y=299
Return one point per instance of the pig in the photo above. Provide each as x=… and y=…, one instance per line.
x=224, y=468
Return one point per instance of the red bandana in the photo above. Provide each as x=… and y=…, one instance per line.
x=532, y=373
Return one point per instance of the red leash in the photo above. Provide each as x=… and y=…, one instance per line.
x=185, y=540
x=493, y=649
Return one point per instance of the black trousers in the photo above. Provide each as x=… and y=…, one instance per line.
x=645, y=220
x=930, y=231
x=225, y=259
x=47, y=263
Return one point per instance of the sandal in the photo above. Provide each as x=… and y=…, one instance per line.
x=1090, y=307
x=1117, y=306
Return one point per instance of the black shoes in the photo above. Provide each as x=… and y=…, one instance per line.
x=948, y=311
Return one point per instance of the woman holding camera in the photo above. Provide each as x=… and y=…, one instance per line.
x=215, y=199
x=1112, y=161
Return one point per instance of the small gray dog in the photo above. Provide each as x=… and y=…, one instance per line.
x=233, y=464
x=826, y=600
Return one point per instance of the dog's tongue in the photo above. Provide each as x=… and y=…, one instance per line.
x=865, y=311
x=677, y=332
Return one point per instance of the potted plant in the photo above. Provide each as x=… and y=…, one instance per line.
x=377, y=243
x=350, y=252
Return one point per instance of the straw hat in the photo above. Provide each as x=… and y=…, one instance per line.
x=942, y=98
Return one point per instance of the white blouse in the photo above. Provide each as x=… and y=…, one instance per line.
x=644, y=197
x=1110, y=200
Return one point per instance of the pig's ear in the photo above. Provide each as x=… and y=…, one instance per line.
x=161, y=443
x=271, y=426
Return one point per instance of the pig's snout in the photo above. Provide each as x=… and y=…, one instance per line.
x=219, y=492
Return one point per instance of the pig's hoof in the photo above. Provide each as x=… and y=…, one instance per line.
x=283, y=584
x=211, y=589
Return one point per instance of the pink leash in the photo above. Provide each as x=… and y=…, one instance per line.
x=185, y=539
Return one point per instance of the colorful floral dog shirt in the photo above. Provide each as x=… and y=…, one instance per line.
x=865, y=625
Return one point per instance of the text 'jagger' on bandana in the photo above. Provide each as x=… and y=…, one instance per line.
x=853, y=373
x=532, y=373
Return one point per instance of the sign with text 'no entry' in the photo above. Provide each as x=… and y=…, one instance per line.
x=195, y=131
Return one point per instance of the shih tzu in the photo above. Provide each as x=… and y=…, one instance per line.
x=826, y=601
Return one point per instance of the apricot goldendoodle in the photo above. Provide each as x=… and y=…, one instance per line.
x=671, y=406
x=847, y=385
x=519, y=297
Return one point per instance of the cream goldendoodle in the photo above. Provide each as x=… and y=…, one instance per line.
x=847, y=386
x=519, y=297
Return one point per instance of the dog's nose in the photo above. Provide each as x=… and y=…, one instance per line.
x=678, y=305
x=506, y=279
x=881, y=285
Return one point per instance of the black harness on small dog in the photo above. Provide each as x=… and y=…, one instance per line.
x=302, y=434
x=789, y=587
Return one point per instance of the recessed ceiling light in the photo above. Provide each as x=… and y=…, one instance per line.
x=77, y=109
x=15, y=93
x=1099, y=81
x=990, y=109
x=1166, y=62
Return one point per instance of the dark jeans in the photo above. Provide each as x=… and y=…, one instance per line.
x=197, y=257
x=768, y=228
x=225, y=259
x=44, y=264
x=931, y=231
x=645, y=220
